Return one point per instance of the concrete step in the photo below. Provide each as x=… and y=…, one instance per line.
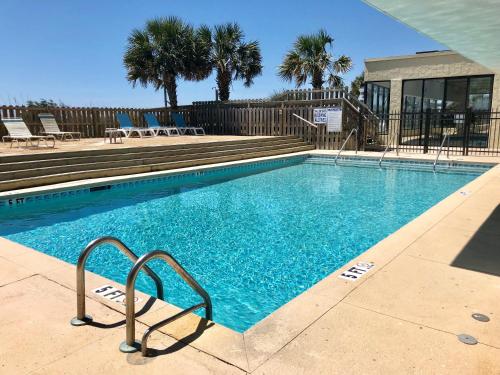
x=144, y=153
x=121, y=170
x=128, y=150
x=139, y=159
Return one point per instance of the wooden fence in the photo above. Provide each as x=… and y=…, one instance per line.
x=245, y=118
x=91, y=122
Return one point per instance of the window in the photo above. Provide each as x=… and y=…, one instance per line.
x=456, y=94
x=480, y=93
x=412, y=96
x=377, y=96
x=433, y=94
x=448, y=94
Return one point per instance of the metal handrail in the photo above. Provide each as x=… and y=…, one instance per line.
x=446, y=137
x=345, y=142
x=81, y=318
x=311, y=125
x=130, y=345
x=306, y=121
x=387, y=148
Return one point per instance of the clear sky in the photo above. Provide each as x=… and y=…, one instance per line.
x=72, y=50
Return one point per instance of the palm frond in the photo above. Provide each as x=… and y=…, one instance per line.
x=233, y=58
x=342, y=65
x=310, y=58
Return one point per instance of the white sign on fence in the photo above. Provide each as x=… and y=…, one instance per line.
x=334, y=120
x=331, y=116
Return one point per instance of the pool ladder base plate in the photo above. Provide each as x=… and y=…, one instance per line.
x=126, y=348
x=81, y=322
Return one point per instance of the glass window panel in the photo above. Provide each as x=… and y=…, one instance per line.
x=456, y=94
x=433, y=94
x=480, y=93
x=375, y=98
x=412, y=96
x=377, y=94
x=385, y=103
x=368, y=95
x=381, y=93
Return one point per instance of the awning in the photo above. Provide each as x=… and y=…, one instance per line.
x=472, y=28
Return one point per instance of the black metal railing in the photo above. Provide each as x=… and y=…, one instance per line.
x=470, y=132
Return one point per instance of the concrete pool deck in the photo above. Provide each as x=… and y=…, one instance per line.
x=403, y=316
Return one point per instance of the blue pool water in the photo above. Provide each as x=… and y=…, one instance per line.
x=254, y=238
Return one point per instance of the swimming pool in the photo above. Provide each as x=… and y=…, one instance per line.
x=254, y=236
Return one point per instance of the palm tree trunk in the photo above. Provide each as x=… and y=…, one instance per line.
x=223, y=80
x=317, y=83
x=171, y=89
x=165, y=102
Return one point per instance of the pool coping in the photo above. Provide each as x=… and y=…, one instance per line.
x=248, y=350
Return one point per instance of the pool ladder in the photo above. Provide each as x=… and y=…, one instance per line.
x=354, y=130
x=446, y=137
x=130, y=345
x=387, y=149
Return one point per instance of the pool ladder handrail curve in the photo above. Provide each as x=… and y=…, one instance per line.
x=345, y=142
x=81, y=318
x=130, y=345
x=387, y=148
x=446, y=137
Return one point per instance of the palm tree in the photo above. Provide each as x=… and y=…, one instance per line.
x=356, y=84
x=165, y=50
x=310, y=58
x=234, y=59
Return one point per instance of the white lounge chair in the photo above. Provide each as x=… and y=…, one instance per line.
x=127, y=128
x=51, y=128
x=183, y=128
x=155, y=125
x=18, y=131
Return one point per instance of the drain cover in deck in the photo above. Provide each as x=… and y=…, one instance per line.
x=481, y=317
x=467, y=339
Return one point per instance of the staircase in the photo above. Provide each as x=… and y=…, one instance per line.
x=25, y=171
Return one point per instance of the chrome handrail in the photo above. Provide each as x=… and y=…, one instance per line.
x=345, y=142
x=387, y=148
x=446, y=137
x=130, y=345
x=81, y=318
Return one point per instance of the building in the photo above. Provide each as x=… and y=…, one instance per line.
x=437, y=80
x=427, y=95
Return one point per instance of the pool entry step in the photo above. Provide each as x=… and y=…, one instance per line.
x=130, y=345
x=31, y=170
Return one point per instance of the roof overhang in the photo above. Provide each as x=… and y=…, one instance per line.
x=471, y=28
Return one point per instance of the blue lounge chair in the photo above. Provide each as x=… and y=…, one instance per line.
x=183, y=128
x=154, y=124
x=127, y=128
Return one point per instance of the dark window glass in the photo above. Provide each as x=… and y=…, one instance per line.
x=412, y=96
x=480, y=93
x=377, y=96
x=368, y=94
x=433, y=94
x=381, y=96
x=456, y=89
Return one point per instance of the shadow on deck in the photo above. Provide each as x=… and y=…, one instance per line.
x=482, y=252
